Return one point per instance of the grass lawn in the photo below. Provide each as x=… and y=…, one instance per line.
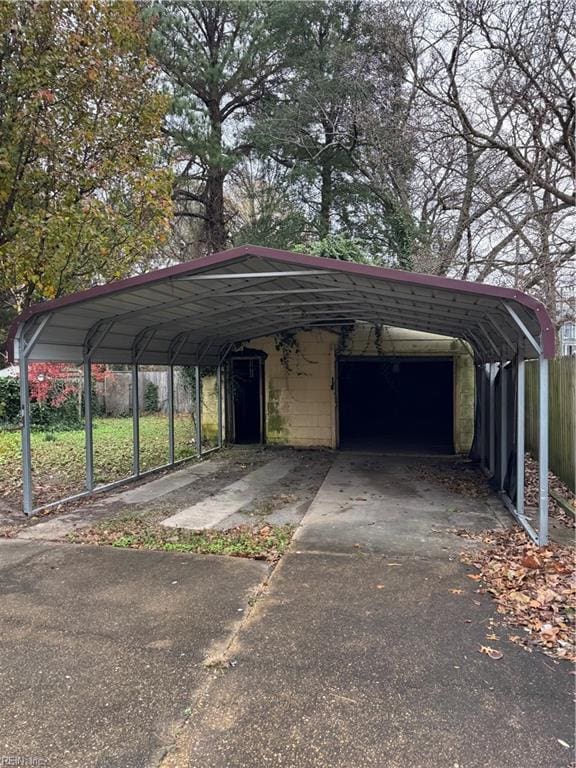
x=58, y=457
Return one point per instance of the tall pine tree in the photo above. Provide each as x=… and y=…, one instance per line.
x=219, y=59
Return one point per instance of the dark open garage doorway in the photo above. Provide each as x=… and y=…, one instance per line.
x=246, y=395
x=400, y=403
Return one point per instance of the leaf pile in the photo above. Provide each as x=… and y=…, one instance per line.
x=531, y=489
x=461, y=477
x=535, y=588
x=264, y=542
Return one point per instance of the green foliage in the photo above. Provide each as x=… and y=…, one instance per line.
x=287, y=127
x=344, y=336
x=97, y=403
x=83, y=194
x=336, y=247
x=286, y=342
x=54, y=412
x=151, y=404
x=341, y=108
x=265, y=206
x=65, y=416
x=220, y=59
x=187, y=374
x=9, y=400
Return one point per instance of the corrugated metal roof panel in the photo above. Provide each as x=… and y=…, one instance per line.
x=252, y=291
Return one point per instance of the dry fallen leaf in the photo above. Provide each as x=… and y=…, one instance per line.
x=492, y=652
x=456, y=591
x=530, y=560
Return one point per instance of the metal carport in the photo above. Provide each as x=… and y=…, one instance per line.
x=193, y=313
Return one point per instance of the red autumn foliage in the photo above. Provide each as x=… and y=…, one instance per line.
x=56, y=382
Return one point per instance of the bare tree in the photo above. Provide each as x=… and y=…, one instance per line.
x=492, y=110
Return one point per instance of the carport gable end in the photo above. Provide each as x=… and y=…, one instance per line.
x=265, y=291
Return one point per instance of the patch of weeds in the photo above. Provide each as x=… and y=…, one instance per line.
x=266, y=542
x=220, y=663
x=124, y=541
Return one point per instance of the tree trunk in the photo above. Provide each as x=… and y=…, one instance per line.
x=215, y=236
x=549, y=289
x=326, y=199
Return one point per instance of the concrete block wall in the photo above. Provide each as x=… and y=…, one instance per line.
x=300, y=401
x=464, y=396
x=300, y=406
x=209, y=410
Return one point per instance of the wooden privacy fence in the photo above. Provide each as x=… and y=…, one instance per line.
x=562, y=404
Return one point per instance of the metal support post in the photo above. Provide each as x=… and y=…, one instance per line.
x=26, y=444
x=219, y=415
x=543, y=451
x=135, y=422
x=482, y=407
x=520, y=433
x=492, y=420
x=25, y=347
x=198, y=405
x=88, y=437
x=171, y=414
x=503, y=426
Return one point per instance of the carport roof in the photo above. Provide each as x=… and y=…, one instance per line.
x=192, y=312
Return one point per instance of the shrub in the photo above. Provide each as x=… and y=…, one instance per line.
x=9, y=401
x=45, y=415
x=151, y=404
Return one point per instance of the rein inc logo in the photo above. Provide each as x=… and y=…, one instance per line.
x=22, y=760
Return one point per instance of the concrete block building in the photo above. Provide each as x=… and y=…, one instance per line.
x=359, y=387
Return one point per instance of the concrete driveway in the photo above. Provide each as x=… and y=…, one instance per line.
x=360, y=655
x=101, y=649
x=361, y=651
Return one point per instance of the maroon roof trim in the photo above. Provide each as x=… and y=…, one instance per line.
x=300, y=259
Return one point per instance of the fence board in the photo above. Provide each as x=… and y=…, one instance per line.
x=562, y=405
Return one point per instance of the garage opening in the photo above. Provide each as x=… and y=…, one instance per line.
x=246, y=399
x=396, y=404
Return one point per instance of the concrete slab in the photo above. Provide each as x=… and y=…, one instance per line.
x=56, y=528
x=290, y=514
x=382, y=505
x=101, y=648
x=354, y=661
x=173, y=481
x=211, y=511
